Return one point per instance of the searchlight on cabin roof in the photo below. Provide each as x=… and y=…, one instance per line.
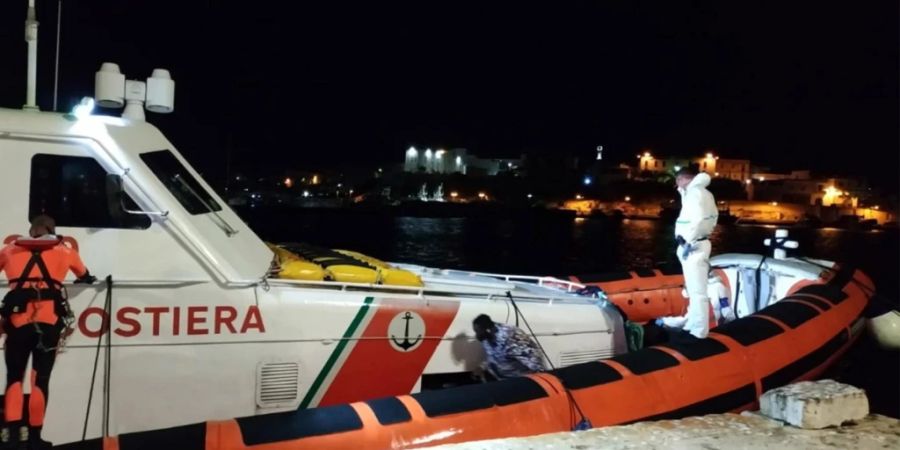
x=112, y=90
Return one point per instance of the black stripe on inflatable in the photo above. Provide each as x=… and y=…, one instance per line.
x=646, y=361
x=516, y=390
x=454, y=400
x=389, y=410
x=728, y=401
x=187, y=437
x=478, y=396
x=670, y=269
x=298, y=424
x=791, y=314
x=645, y=273
x=749, y=330
x=697, y=349
x=92, y=444
x=821, y=304
x=604, y=277
x=829, y=292
x=585, y=375
x=802, y=366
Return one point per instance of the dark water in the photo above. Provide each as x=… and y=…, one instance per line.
x=538, y=245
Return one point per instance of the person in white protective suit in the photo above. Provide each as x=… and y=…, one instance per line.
x=692, y=229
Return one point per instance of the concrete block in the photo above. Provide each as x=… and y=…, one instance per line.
x=815, y=404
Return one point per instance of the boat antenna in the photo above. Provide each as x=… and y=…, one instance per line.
x=56, y=68
x=31, y=37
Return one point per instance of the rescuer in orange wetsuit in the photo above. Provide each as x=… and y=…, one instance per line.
x=33, y=312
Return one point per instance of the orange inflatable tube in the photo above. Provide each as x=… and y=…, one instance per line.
x=644, y=294
x=794, y=339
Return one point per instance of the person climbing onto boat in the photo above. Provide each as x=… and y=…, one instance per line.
x=33, y=314
x=695, y=223
x=509, y=351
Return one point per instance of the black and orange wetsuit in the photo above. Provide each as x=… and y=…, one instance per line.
x=35, y=269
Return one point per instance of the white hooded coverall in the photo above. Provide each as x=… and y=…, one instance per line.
x=695, y=223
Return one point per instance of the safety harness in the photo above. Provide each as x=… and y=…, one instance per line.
x=18, y=297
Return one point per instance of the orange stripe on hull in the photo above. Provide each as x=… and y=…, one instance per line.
x=387, y=368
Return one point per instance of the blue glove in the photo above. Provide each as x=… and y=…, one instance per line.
x=686, y=250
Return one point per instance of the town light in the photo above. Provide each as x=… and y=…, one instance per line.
x=774, y=203
x=529, y=196
x=578, y=196
x=305, y=193
x=454, y=194
x=762, y=178
x=315, y=179
x=627, y=198
x=439, y=153
x=288, y=182
x=412, y=152
x=587, y=181
x=709, y=156
x=459, y=160
x=748, y=181
x=717, y=173
x=482, y=195
x=875, y=207
x=647, y=155
x=428, y=153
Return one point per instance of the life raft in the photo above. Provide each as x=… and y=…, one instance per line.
x=793, y=339
x=311, y=263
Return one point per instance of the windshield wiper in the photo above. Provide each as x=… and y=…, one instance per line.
x=225, y=226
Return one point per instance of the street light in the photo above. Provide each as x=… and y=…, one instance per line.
x=587, y=181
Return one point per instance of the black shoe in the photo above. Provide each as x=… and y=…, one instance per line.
x=22, y=443
x=35, y=442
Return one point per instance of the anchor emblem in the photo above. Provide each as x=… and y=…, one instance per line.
x=406, y=343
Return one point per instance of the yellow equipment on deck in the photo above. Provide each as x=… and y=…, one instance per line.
x=306, y=262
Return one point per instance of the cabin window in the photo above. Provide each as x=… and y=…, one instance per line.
x=72, y=190
x=186, y=189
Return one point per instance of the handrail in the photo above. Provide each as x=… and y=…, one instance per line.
x=420, y=291
x=544, y=281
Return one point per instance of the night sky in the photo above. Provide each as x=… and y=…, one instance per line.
x=331, y=83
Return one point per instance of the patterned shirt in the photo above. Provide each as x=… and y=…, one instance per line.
x=512, y=354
